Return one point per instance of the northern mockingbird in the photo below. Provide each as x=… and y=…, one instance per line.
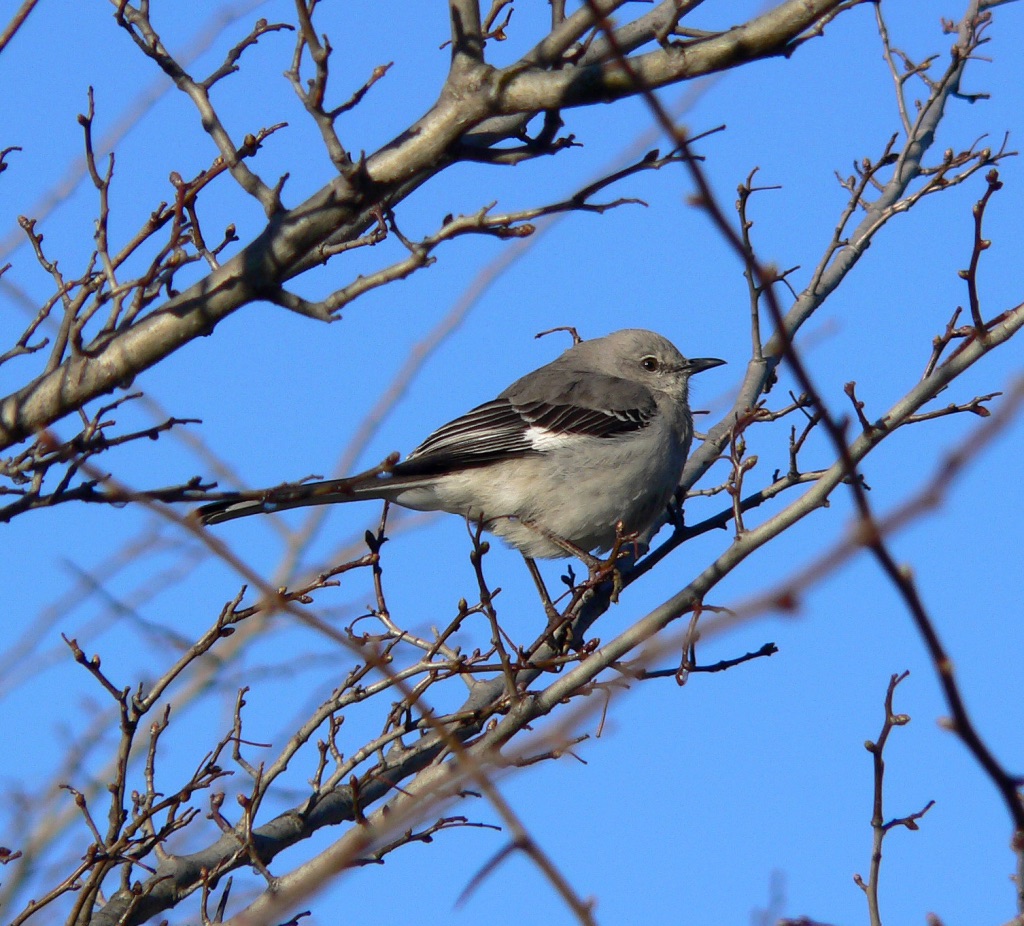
x=566, y=461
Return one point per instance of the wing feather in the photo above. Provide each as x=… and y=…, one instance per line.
x=511, y=426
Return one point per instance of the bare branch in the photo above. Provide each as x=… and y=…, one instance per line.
x=17, y=21
x=137, y=23
x=879, y=826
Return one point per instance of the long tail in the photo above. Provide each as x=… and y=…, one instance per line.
x=329, y=492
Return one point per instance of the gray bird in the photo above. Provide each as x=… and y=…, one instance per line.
x=567, y=460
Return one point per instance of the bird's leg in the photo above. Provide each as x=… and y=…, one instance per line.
x=599, y=569
x=542, y=590
x=567, y=546
x=609, y=568
x=556, y=630
x=675, y=510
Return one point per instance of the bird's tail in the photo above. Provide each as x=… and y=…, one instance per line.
x=329, y=492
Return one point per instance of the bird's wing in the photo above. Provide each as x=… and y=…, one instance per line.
x=516, y=424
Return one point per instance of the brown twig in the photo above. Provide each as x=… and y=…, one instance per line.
x=879, y=826
x=980, y=244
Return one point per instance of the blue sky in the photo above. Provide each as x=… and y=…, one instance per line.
x=694, y=801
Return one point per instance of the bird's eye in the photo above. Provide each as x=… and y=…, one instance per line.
x=650, y=364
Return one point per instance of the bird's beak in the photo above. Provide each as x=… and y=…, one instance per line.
x=700, y=364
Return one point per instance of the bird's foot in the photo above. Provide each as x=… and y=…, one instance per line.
x=601, y=570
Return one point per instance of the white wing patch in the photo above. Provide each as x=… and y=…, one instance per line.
x=543, y=439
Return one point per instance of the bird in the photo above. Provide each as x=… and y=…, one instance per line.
x=568, y=460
